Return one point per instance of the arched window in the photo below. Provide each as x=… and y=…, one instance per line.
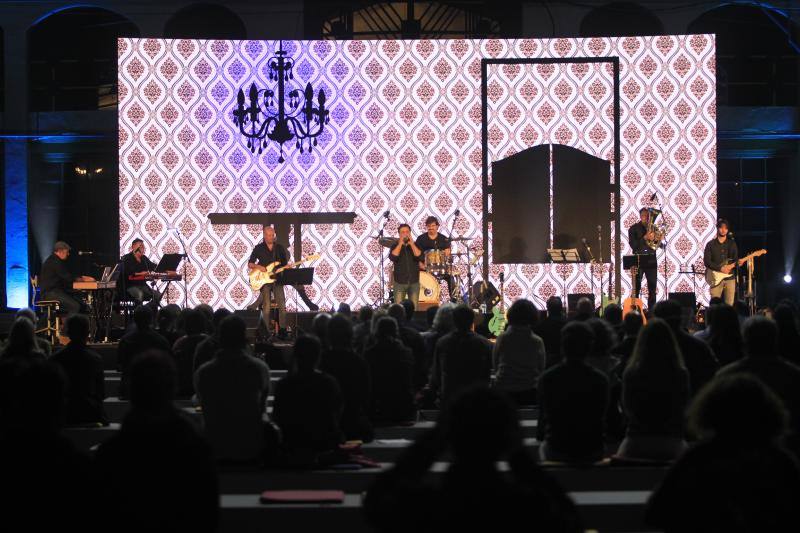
x=756, y=64
x=72, y=57
x=620, y=18
x=205, y=21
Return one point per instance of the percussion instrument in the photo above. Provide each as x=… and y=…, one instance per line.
x=438, y=263
x=429, y=290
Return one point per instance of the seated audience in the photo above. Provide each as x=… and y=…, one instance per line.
x=167, y=321
x=391, y=367
x=352, y=374
x=409, y=308
x=573, y=397
x=655, y=393
x=479, y=429
x=141, y=339
x=85, y=375
x=308, y=406
x=604, y=340
x=725, y=334
x=430, y=315
x=584, y=309
x=319, y=326
x=631, y=325
x=207, y=349
x=47, y=485
x=461, y=358
x=21, y=342
x=233, y=389
x=442, y=325
x=412, y=339
x=697, y=356
x=157, y=472
x=43, y=344
x=732, y=479
x=549, y=329
x=763, y=362
x=361, y=330
x=194, y=324
x=785, y=316
x=344, y=310
x=518, y=356
x=613, y=315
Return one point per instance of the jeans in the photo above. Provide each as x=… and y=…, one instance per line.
x=280, y=300
x=407, y=291
x=725, y=290
x=140, y=293
x=67, y=301
x=652, y=286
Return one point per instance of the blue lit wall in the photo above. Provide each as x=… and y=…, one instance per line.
x=16, y=222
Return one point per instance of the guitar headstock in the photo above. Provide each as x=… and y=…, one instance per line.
x=312, y=257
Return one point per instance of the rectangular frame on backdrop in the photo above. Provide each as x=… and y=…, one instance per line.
x=487, y=189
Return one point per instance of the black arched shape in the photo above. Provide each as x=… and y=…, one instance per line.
x=745, y=30
x=620, y=19
x=72, y=58
x=205, y=21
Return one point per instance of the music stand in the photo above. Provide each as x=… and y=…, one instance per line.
x=297, y=277
x=564, y=255
x=641, y=262
x=169, y=262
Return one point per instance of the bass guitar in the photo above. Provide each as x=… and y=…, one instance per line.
x=715, y=277
x=497, y=324
x=260, y=278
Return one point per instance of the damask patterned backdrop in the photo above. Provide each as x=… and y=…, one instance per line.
x=404, y=135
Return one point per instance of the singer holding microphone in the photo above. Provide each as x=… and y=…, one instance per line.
x=406, y=257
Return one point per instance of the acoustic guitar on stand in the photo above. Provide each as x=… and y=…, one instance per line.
x=634, y=303
x=260, y=278
x=715, y=277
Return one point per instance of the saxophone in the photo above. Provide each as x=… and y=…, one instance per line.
x=658, y=231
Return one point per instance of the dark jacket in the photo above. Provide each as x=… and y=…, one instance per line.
x=461, y=359
x=55, y=275
x=390, y=367
x=132, y=344
x=307, y=408
x=86, y=379
x=352, y=373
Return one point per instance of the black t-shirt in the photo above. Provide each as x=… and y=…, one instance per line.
x=264, y=256
x=132, y=266
x=55, y=275
x=636, y=235
x=425, y=243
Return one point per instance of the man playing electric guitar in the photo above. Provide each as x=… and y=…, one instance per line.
x=264, y=254
x=721, y=255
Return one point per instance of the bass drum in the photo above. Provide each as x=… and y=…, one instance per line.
x=428, y=289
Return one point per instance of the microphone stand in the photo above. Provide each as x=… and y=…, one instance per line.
x=381, y=299
x=591, y=266
x=185, y=256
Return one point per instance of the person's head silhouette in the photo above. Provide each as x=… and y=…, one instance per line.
x=153, y=382
x=340, y=332
x=232, y=334
x=307, y=350
x=577, y=340
x=760, y=336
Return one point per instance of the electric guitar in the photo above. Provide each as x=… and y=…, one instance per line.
x=497, y=324
x=259, y=278
x=715, y=277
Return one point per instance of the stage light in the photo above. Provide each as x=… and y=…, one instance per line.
x=787, y=278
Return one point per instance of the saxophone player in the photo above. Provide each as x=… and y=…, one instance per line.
x=638, y=236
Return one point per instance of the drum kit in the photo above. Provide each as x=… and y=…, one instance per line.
x=441, y=266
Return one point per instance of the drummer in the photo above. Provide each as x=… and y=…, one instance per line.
x=433, y=240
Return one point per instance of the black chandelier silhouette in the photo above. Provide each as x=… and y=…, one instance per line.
x=292, y=116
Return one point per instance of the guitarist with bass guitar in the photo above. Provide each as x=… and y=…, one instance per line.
x=264, y=254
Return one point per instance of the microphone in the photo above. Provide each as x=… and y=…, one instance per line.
x=386, y=214
x=85, y=252
x=458, y=212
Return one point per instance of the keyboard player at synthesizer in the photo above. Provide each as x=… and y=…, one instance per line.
x=133, y=263
x=55, y=281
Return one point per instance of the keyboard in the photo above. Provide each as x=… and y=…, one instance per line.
x=155, y=276
x=93, y=285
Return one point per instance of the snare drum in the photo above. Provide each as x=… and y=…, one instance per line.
x=438, y=263
x=429, y=289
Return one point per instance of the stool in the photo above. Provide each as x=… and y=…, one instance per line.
x=51, y=308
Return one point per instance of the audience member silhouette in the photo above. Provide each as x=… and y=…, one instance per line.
x=412, y=339
x=461, y=358
x=584, y=309
x=731, y=480
x=319, y=326
x=194, y=325
x=141, y=339
x=85, y=375
x=344, y=309
x=233, y=390
x=209, y=315
x=157, y=472
x=391, y=367
x=479, y=429
x=655, y=394
x=35, y=459
x=518, y=355
x=785, y=316
x=763, y=362
x=21, y=342
x=697, y=356
x=604, y=340
x=361, y=330
x=167, y=320
x=207, y=349
x=631, y=325
x=430, y=316
x=573, y=398
x=725, y=334
x=308, y=406
x=442, y=325
x=352, y=374
x=613, y=315
x=42, y=344
x=549, y=329
x=409, y=308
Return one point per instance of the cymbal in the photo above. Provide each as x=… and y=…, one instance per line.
x=387, y=242
x=462, y=238
x=458, y=254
